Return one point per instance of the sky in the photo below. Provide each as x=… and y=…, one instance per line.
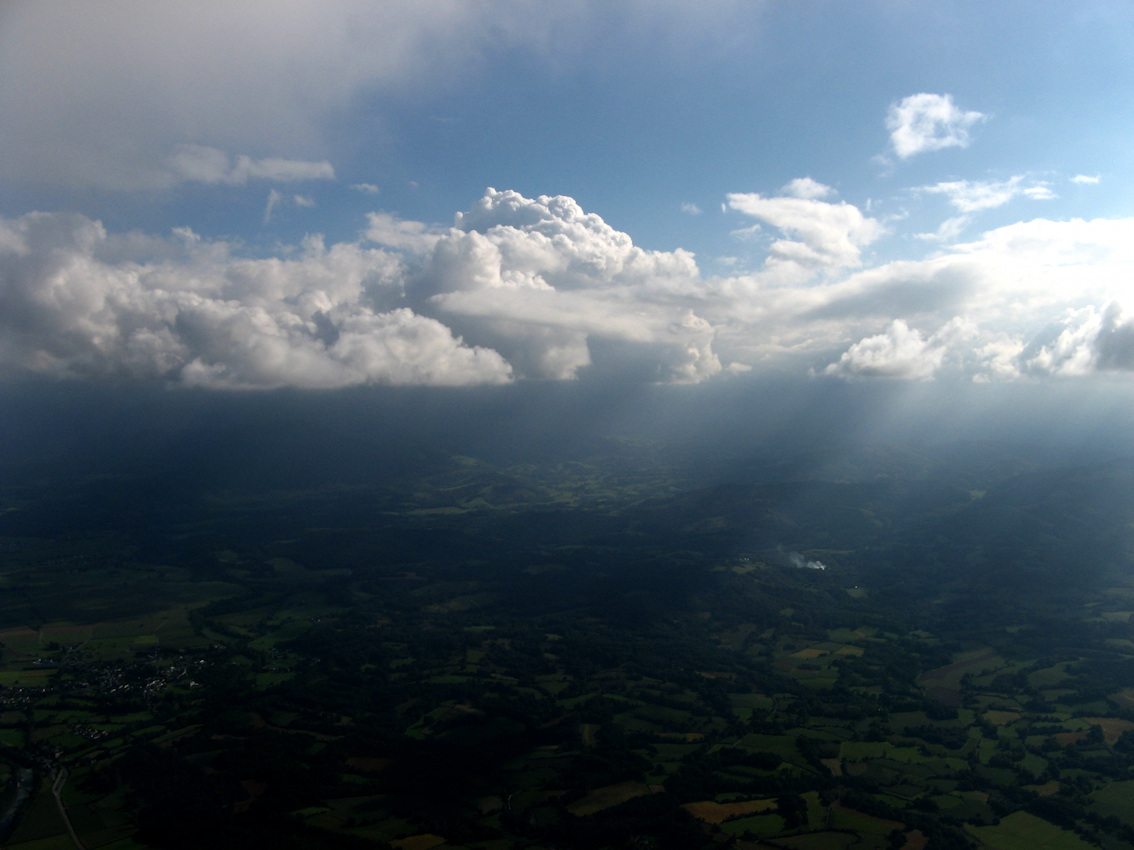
x=316, y=196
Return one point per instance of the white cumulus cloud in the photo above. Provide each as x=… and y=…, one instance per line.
x=1114, y=342
x=1084, y=341
x=823, y=234
x=556, y=290
x=1037, y=298
x=805, y=187
x=898, y=352
x=540, y=288
x=519, y=287
x=72, y=306
x=929, y=122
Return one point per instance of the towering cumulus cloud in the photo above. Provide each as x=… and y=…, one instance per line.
x=556, y=289
x=518, y=287
x=537, y=288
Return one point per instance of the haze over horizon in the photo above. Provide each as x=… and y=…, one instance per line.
x=294, y=196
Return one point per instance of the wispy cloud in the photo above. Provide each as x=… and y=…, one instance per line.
x=276, y=199
x=948, y=231
x=203, y=164
x=971, y=196
x=802, y=563
x=393, y=232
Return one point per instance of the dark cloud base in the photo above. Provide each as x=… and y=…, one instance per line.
x=194, y=442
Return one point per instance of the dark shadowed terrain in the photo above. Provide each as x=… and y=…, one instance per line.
x=565, y=617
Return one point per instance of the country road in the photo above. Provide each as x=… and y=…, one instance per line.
x=57, y=792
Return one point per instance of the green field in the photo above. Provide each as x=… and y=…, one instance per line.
x=1022, y=831
x=527, y=656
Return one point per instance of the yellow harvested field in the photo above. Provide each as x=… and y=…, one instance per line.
x=418, y=842
x=1124, y=698
x=1112, y=727
x=587, y=732
x=368, y=764
x=684, y=737
x=857, y=817
x=711, y=812
x=1001, y=718
x=608, y=796
x=810, y=652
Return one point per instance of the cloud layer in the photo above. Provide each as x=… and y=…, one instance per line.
x=135, y=95
x=77, y=302
x=537, y=288
x=129, y=95
x=208, y=165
